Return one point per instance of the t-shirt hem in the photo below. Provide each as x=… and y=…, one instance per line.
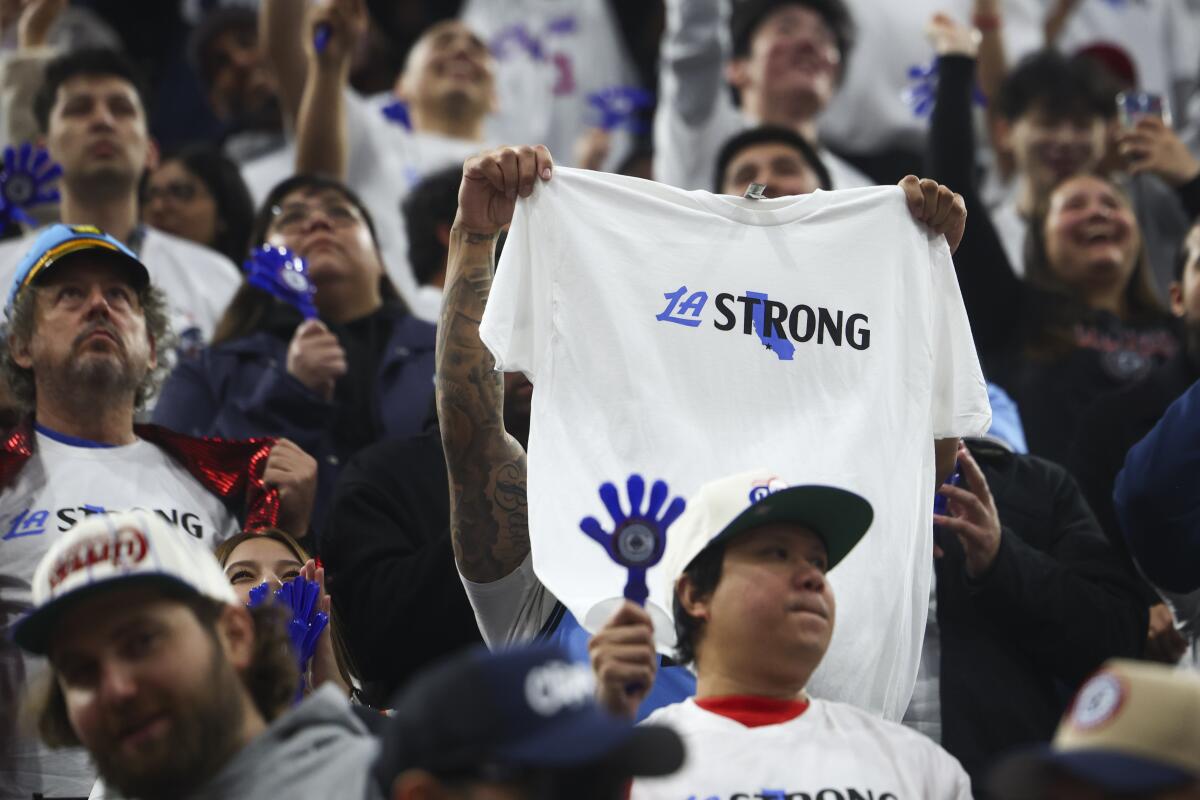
x=967, y=425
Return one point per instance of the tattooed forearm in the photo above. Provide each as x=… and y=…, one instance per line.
x=488, y=509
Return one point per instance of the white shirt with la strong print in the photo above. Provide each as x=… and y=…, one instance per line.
x=832, y=751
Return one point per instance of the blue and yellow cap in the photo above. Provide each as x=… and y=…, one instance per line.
x=59, y=241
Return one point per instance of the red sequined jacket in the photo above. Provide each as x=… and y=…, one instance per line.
x=232, y=470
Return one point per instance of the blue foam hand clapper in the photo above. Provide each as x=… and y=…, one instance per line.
x=284, y=274
x=26, y=182
x=300, y=595
x=639, y=538
x=306, y=621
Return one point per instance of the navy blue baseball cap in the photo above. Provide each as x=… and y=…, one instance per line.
x=57, y=242
x=497, y=716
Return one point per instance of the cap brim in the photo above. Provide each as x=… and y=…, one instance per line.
x=33, y=631
x=137, y=270
x=1028, y=775
x=139, y=275
x=634, y=751
x=840, y=517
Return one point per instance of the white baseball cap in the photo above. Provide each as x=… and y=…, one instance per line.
x=727, y=507
x=108, y=550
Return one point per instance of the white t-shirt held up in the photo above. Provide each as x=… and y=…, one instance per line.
x=688, y=336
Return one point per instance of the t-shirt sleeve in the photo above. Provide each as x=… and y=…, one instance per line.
x=955, y=784
x=517, y=322
x=944, y=776
x=960, y=402
x=512, y=609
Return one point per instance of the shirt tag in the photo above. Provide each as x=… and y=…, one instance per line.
x=755, y=191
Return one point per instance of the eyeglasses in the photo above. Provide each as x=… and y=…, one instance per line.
x=293, y=215
x=176, y=190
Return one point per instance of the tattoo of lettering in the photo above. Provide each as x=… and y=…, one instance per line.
x=489, y=522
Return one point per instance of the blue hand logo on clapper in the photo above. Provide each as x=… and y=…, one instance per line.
x=284, y=274
x=639, y=538
x=25, y=182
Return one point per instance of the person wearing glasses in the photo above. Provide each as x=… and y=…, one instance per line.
x=359, y=373
x=198, y=193
x=91, y=116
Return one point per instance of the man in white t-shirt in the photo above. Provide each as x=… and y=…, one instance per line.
x=84, y=326
x=785, y=62
x=743, y=414
x=746, y=564
x=91, y=111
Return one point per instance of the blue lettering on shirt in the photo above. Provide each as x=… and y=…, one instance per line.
x=28, y=523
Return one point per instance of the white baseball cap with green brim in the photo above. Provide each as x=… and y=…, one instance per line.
x=116, y=550
x=728, y=507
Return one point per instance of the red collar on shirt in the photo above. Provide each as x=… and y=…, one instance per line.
x=752, y=711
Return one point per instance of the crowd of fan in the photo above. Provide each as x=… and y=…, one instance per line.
x=369, y=447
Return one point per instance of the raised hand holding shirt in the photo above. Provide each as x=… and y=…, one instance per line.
x=691, y=336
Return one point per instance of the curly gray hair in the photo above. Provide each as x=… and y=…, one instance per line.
x=21, y=326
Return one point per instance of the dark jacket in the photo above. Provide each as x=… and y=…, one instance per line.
x=242, y=388
x=390, y=564
x=1112, y=425
x=1157, y=497
x=1056, y=603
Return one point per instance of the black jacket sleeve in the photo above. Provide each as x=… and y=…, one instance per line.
x=390, y=563
x=1058, y=588
x=992, y=293
x=1189, y=198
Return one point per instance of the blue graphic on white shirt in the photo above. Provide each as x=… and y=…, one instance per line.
x=776, y=343
x=38, y=521
x=693, y=307
x=28, y=523
x=397, y=112
x=778, y=326
x=518, y=38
